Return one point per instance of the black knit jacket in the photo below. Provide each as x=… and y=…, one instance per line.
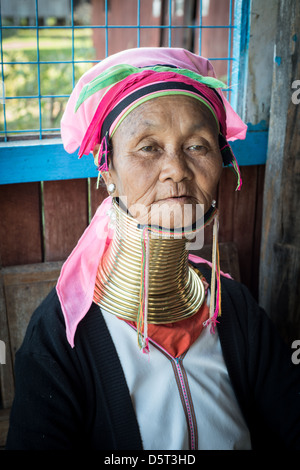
x=70, y=398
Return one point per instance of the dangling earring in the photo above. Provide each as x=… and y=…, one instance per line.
x=215, y=287
x=111, y=188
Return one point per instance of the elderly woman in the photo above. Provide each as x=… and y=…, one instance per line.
x=143, y=345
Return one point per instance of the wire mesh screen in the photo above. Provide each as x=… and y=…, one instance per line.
x=46, y=46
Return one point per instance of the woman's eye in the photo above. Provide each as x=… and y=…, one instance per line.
x=148, y=148
x=198, y=148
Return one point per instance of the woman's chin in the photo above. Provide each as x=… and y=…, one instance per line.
x=172, y=215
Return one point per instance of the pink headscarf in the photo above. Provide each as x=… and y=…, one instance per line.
x=75, y=286
x=137, y=82
x=74, y=124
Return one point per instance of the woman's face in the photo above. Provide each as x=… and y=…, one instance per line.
x=166, y=158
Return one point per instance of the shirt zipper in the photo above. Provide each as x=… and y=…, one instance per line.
x=184, y=392
x=186, y=400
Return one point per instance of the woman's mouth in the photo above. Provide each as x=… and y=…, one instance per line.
x=177, y=199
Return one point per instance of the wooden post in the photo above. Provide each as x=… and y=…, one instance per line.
x=280, y=248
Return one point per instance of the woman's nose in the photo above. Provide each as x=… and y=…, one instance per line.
x=174, y=166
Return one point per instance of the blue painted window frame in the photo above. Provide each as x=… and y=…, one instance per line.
x=46, y=160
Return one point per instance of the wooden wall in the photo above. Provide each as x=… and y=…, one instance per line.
x=280, y=267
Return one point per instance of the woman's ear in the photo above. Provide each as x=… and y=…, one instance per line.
x=95, y=154
x=95, y=150
x=106, y=177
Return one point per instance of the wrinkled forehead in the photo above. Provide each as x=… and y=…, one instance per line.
x=168, y=102
x=162, y=115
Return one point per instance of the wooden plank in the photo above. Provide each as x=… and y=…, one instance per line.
x=244, y=222
x=254, y=284
x=31, y=273
x=286, y=291
x=25, y=288
x=96, y=195
x=6, y=370
x=226, y=204
x=240, y=220
x=66, y=216
x=280, y=263
x=20, y=228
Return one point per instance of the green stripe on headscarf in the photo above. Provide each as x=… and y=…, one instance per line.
x=116, y=73
x=164, y=93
